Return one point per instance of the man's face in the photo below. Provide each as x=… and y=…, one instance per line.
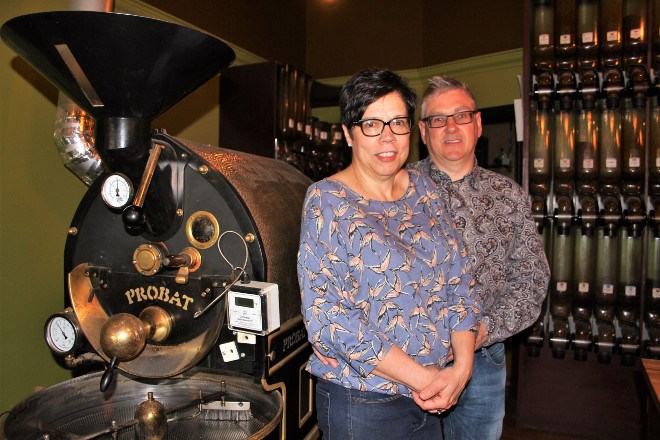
x=452, y=145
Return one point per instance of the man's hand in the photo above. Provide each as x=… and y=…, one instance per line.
x=482, y=337
x=325, y=360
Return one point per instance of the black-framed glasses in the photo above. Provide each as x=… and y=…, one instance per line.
x=374, y=127
x=461, y=118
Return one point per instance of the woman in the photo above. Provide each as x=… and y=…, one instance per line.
x=384, y=279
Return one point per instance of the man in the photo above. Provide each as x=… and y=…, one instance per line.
x=493, y=214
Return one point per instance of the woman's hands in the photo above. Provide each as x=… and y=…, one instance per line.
x=445, y=389
x=443, y=392
x=438, y=389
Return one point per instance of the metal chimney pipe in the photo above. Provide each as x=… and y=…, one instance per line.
x=74, y=128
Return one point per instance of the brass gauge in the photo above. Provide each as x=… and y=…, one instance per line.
x=62, y=333
x=117, y=191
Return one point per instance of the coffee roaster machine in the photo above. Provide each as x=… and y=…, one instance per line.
x=592, y=152
x=179, y=265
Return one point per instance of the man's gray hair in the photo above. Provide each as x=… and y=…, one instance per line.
x=440, y=84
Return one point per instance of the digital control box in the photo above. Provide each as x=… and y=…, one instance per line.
x=254, y=307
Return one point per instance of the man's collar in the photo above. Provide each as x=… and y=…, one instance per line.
x=472, y=177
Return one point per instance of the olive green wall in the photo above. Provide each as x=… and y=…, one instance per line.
x=38, y=195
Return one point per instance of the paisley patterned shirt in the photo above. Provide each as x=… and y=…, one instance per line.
x=494, y=215
x=375, y=274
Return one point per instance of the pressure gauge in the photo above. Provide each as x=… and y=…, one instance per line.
x=62, y=332
x=117, y=190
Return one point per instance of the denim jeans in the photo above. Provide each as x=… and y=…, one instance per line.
x=349, y=414
x=479, y=413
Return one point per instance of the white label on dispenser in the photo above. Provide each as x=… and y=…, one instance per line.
x=539, y=163
x=608, y=289
x=324, y=135
x=634, y=162
x=655, y=292
x=630, y=290
x=565, y=39
x=657, y=161
x=588, y=164
x=338, y=135
x=612, y=36
x=564, y=163
x=587, y=37
x=544, y=39
x=583, y=287
x=561, y=286
x=299, y=126
x=291, y=123
x=610, y=162
x=635, y=33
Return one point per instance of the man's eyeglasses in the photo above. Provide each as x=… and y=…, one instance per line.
x=461, y=118
x=374, y=127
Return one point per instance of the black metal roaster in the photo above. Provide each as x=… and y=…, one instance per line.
x=159, y=246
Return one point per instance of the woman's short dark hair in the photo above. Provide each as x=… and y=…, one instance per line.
x=368, y=86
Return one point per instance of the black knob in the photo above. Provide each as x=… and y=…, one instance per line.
x=109, y=374
x=133, y=216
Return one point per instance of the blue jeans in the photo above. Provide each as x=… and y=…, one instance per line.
x=479, y=413
x=349, y=414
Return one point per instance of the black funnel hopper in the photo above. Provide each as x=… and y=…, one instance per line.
x=124, y=70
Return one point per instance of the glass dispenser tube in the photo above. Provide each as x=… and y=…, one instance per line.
x=301, y=103
x=610, y=29
x=536, y=334
x=586, y=154
x=560, y=292
x=605, y=287
x=283, y=148
x=294, y=103
x=539, y=154
x=609, y=137
x=583, y=286
x=634, y=31
x=654, y=148
x=543, y=34
x=288, y=82
x=321, y=149
x=587, y=34
x=629, y=292
x=339, y=153
x=634, y=133
x=565, y=40
x=564, y=147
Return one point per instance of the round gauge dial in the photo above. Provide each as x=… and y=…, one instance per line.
x=62, y=334
x=117, y=190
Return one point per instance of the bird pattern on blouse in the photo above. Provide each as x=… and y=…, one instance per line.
x=375, y=273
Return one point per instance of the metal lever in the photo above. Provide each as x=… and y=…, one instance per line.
x=133, y=214
x=187, y=261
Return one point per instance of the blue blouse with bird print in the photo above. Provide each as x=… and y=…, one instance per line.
x=375, y=274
